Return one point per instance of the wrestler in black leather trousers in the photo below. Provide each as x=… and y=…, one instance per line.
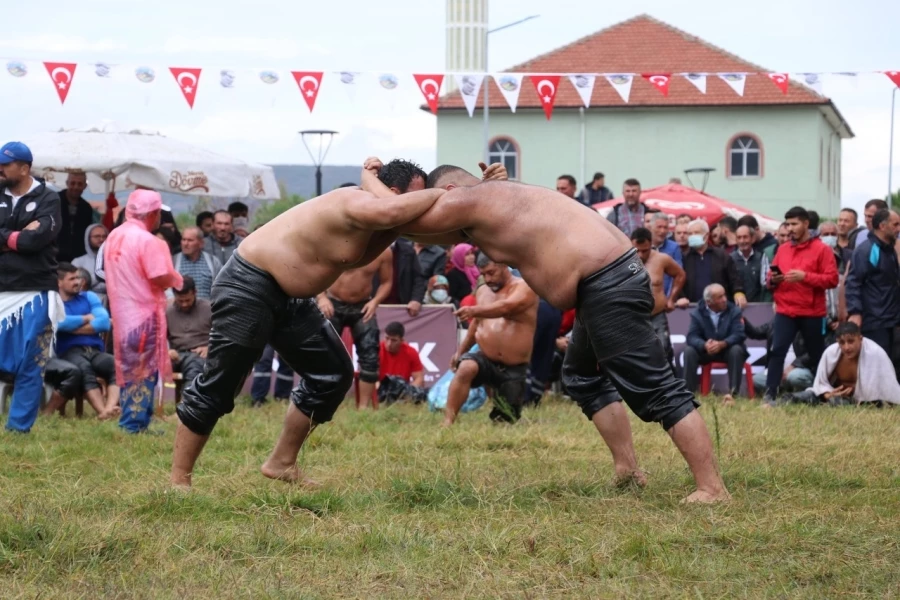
x=612, y=328
x=249, y=310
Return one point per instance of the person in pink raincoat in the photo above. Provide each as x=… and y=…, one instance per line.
x=139, y=269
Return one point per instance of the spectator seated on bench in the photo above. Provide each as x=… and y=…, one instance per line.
x=716, y=335
x=78, y=341
x=188, y=321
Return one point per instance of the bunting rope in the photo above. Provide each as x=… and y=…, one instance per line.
x=546, y=85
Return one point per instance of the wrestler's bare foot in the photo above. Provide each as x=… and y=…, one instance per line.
x=704, y=497
x=728, y=400
x=627, y=477
x=288, y=474
x=180, y=481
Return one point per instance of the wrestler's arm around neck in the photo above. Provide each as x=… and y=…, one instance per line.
x=366, y=211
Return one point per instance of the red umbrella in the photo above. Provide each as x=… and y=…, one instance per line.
x=675, y=199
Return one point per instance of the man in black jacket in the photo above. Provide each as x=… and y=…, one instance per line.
x=77, y=215
x=29, y=304
x=873, y=285
x=716, y=334
x=705, y=264
x=409, y=282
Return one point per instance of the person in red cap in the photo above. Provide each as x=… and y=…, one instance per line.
x=138, y=270
x=29, y=304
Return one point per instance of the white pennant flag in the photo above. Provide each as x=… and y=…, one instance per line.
x=349, y=81
x=622, y=84
x=813, y=80
x=510, y=85
x=698, y=79
x=735, y=81
x=469, y=87
x=850, y=76
x=584, y=85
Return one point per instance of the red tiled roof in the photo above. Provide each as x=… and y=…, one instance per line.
x=644, y=45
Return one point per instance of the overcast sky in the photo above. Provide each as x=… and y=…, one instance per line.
x=259, y=123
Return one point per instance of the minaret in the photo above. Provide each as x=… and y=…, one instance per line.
x=467, y=25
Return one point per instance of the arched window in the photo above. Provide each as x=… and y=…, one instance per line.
x=745, y=156
x=505, y=150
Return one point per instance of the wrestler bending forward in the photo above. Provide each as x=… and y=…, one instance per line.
x=265, y=294
x=571, y=256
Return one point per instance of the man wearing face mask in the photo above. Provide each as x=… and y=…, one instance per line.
x=240, y=213
x=705, y=265
x=438, y=291
x=873, y=284
x=828, y=233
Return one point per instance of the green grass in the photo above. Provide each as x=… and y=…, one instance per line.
x=409, y=510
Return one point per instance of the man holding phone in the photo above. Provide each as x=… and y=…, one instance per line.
x=801, y=271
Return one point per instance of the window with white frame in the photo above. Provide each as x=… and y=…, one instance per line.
x=505, y=151
x=744, y=157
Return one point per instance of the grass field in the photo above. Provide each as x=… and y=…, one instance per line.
x=408, y=510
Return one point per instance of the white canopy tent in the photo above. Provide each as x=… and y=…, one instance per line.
x=117, y=159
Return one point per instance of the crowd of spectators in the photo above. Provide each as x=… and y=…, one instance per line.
x=834, y=288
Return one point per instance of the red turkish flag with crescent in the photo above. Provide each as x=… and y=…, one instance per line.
x=61, y=74
x=546, y=86
x=430, y=86
x=309, y=83
x=188, y=80
x=660, y=81
x=892, y=75
x=781, y=80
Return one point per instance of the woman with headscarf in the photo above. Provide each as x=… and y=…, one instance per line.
x=463, y=274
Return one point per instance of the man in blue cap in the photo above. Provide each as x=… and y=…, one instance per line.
x=29, y=303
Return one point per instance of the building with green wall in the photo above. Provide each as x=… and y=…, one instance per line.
x=769, y=150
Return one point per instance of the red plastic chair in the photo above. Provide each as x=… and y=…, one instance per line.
x=706, y=377
x=347, y=338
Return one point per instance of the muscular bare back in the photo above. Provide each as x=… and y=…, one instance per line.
x=308, y=247
x=508, y=339
x=553, y=241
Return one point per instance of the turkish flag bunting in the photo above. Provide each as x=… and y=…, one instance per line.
x=430, y=86
x=781, y=80
x=61, y=74
x=308, y=82
x=660, y=81
x=188, y=80
x=546, y=86
x=892, y=75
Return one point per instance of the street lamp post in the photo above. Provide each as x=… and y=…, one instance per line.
x=891, y=153
x=320, y=158
x=485, y=83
